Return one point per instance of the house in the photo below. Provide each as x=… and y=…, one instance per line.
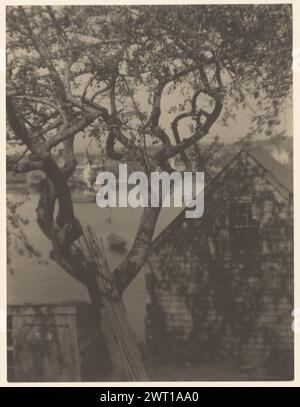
x=222, y=286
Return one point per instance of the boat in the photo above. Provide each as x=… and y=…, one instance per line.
x=116, y=242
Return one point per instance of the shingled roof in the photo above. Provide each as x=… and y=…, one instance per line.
x=280, y=172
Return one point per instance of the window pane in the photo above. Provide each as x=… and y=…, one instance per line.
x=243, y=220
x=243, y=208
x=244, y=233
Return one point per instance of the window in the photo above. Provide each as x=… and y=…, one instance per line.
x=243, y=225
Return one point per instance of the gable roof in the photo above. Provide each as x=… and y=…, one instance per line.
x=278, y=171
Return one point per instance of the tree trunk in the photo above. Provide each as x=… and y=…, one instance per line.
x=120, y=339
x=115, y=328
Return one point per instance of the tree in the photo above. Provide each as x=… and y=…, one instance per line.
x=82, y=70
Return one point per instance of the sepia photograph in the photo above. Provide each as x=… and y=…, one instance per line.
x=149, y=193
